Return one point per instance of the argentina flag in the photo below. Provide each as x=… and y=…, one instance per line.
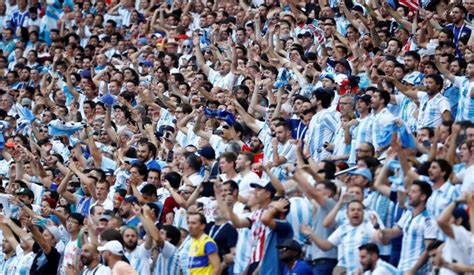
x=50, y=20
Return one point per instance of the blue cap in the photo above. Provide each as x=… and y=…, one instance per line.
x=147, y=63
x=363, y=172
x=131, y=199
x=143, y=40
x=207, y=152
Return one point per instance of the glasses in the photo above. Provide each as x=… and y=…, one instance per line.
x=187, y=47
x=72, y=222
x=225, y=126
x=344, y=103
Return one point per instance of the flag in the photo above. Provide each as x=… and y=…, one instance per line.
x=406, y=138
x=50, y=20
x=411, y=4
x=59, y=128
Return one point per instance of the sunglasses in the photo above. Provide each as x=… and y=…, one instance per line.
x=225, y=126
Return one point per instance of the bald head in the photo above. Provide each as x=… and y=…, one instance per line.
x=89, y=255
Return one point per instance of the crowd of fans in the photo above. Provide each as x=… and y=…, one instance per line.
x=235, y=137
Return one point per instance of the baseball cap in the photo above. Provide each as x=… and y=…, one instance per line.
x=365, y=98
x=264, y=185
x=305, y=33
x=147, y=63
x=115, y=247
x=142, y=40
x=26, y=191
x=55, y=232
x=131, y=199
x=290, y=244
x=362, y=172
x=109, y=172
x=344, y=63
x=207, y=152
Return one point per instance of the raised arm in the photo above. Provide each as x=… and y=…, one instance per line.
x=197, y=128
x=302, y=178
x=38, y=236
x=62, y=189
x=200, y=58
x=249, y=120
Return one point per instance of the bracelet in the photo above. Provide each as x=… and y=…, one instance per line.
x=376, y=226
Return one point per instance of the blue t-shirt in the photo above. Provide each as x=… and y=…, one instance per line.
x=283, y=230
x=301, y=268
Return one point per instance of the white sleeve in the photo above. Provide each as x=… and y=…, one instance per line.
x=458, y=81
x=144, y=253
x=405, y=216
x=444, y=106
x=399, y=98
x=168, y=249
x=420, y=95
x=215, y=141
x=430, y=230
x=104, y=270
x=461, y=234
x=212, y=75
x=335, y=237
x=37, y=191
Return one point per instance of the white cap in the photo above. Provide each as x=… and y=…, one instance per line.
x=115, y=247
x=55, y=232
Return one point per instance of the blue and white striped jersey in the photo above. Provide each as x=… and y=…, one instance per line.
x=7, y=265
x=414, y=78
x=340, y=147
x=167, y=262
x=23, y=262
x=242, y=249
x=349, y=238
x=431, y=110
x=407, y=111
x=441, y=198
x=380, y=120
x=466, y=102
x=416, y=230
x=360, y=133
x=140, y=259
x=183, y=258
x=301, y=212
x=322, y=127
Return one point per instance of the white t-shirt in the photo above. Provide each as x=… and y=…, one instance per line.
x=140, y=259
x=195, y=179
x=459, y=249
x=98, y=270
x=244, y=185
x=209, y=207
x=224, y=82
x=70, y=253
x=107, y=204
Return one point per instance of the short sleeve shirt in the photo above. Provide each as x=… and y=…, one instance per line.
x=199, y=252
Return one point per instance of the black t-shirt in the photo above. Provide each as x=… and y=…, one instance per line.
x=225, y=237
x=45, y=263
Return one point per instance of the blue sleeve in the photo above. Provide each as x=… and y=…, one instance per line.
x=210, y=247
x=283, y=229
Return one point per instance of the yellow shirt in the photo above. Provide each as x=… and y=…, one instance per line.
x=198, y=255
